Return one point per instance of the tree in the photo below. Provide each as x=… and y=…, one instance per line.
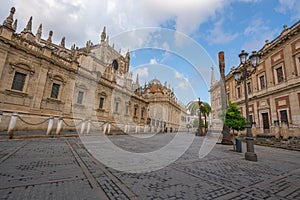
x=205, y=110
x=234, y=119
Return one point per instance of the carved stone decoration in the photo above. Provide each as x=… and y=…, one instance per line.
x=103, y=34
x=39, y=33
x=9, y=20
x=14, y=26
x=63, y=41
x=28, y=27
x=49, y=40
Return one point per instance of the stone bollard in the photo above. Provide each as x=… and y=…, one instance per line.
x=145, y=129
x=88, y=129
x=108, y=130
x=284, y=129
x=82, y=126
x=136, y=129
x=12, y=125
x=59, y=125
x=50, y=125
x=104, y=128
x=1, y=114
x=125, y=129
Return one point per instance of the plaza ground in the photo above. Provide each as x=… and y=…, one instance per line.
x=62, y=168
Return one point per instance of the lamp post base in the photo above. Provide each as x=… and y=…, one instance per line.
x=251, y=156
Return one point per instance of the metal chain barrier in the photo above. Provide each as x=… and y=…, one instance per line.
x=97, y=126
x=32, y=124
x=71, y=125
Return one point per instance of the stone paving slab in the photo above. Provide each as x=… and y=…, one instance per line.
x=61, y=168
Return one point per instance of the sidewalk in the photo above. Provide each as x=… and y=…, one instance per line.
x=61, y=168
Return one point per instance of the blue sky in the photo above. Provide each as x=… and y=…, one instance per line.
x=196, y=31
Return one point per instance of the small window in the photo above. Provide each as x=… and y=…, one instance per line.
x=19, y=81
x=249, y=88
x=55, y=90
x=239, y=92
x=279, y=73
x=117, y=107
x=101, y=103
x=262, y=82
x=142, y=114
x=80, y=97
x=127, y=110
x=135, y=111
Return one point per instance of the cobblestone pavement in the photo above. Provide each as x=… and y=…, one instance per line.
x=61, y=168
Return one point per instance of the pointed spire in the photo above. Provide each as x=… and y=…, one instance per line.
x=28, y=27
x=103, y=34
x=213, y=78
x=49, y=40
x=63, y=42
x=128, y=54
x=107, y=40
x=10, y=19
x=15, y=24
x=38, y=35
x=137, y=80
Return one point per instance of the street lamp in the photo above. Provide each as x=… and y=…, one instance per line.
x=241, y=75
x=199, y=131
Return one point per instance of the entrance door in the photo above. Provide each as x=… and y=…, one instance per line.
x=265, y=118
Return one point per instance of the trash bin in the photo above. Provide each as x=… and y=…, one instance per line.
x=238, y=144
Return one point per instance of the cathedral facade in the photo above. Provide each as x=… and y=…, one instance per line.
x=39, y=79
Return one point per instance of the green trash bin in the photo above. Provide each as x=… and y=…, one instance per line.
x=238, y=144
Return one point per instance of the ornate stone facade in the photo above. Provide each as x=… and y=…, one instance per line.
x=274, y=89
x=39, y=78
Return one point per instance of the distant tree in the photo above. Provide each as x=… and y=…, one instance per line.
x=205, y=111
x=196, y=122
x=233, y=118
x=193, y=107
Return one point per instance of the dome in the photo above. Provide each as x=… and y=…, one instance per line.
x=155, y=82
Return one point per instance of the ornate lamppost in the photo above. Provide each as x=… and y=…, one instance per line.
x=241, y=74
x=199, y=131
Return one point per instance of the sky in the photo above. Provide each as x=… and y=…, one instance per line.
x=175, y=41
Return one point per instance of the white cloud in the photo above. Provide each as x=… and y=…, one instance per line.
x=289, y=6
x=153, y=61
x=257, y=32
x=218, y=36
x=81, y=20
x=142, y=72
x=181, y=81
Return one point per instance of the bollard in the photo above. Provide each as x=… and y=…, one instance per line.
x=104, y=128
x=125, y=129
x=59, y=125
x=1, y=113
x=82, y=126
x=12, y=124
x=108, y=130
x=136, y=129
x=88, y=127
x=50, y=125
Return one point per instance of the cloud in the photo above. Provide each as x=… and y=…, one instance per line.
x=142, y=72
x=289, y=6
x=81, y=20
x=181, y=81
x=153, y=61
x=218, y=36
x=257, y=32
